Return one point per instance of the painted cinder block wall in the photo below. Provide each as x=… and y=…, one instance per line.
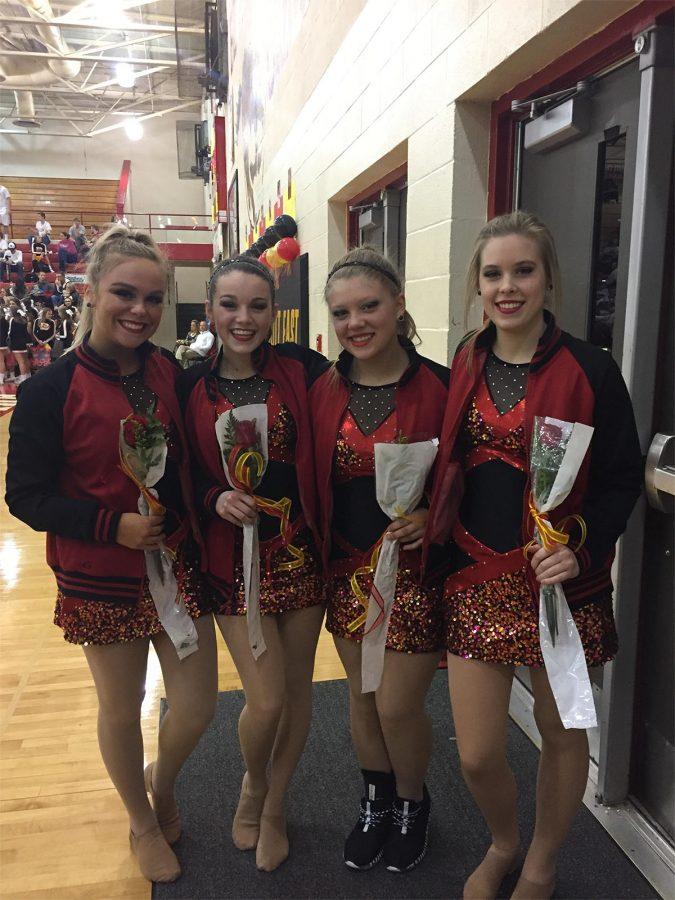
x=370, y=85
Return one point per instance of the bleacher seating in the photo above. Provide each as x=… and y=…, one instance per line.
x=93, y=200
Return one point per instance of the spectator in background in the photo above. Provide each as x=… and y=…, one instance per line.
x=4, y=240
x=67, y=251
x=12, y=262
x=190, y=337
x=40, y=260
x=5, y=206
x=42, y=289
x=200, y=347
x=43, y=229
x=78, y=234
x=94, y=234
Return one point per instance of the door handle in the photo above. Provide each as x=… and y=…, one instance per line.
x=660, y=473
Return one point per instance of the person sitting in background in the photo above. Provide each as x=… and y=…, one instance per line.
x=59, y=286
x=12, y=262
x=200, y=347
x=42, y=290
x=4, y=240
x=94, y=234
x=67, y=251
x=41, y=232
x=68, y=309
x=78, y=234
x=43, y=229
x=40, y=261
x=190, y=337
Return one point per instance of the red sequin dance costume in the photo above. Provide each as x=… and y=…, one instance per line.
x=358, y=523
x=98, y=622
x=490, y=611
x=280, y=590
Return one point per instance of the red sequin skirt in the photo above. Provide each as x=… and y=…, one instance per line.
x=498, y=621
x=416, y=623
x=280, y=591
x=97, y=622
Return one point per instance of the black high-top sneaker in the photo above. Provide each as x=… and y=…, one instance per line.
x=364, y=846
x=407, y=840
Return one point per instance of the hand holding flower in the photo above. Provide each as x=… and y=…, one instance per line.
x=140, y=532
x=554, y=566
x=236, y=507
x=409, y=531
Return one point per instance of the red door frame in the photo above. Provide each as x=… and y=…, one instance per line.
x=613, y=43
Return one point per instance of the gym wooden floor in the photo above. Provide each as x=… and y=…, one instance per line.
x=63, y=830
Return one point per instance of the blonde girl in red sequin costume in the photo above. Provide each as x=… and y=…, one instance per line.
x=275, y=720
x=518, y=366
x=380, y=390
x=64, y=477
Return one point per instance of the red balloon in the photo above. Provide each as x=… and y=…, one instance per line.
x=263, y=259
x=288, y=248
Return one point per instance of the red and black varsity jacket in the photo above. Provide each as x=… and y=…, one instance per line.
x=572, y=380
x=421, y=396
x=293, y=369
x=64, y=476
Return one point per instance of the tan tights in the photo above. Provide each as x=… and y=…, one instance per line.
x=274, y=723
x=191, y=686
x=480, y=695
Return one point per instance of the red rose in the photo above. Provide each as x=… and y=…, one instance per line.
x=245, y=433
x=130, y=433
x=551, y=435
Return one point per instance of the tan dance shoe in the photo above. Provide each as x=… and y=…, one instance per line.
x=485, y=881
x=156, y=859
x=169, y=823
x=533, y=890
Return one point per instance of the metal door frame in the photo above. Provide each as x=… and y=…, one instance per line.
x=607, y=792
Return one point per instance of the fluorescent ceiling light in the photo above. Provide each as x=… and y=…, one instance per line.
x=126, y=76
x=134, y=130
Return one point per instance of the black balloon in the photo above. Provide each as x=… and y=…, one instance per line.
x=271, y=236
x=286, y=226
x=260, y=246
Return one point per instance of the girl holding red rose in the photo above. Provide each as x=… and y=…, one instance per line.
x=520, y=365
x=64, y=477
x=274, y=723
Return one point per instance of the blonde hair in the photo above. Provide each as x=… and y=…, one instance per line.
x=115, y=245
x=367, y=262
x=526, y=225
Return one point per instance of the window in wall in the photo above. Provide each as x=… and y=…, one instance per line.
x=185, y=145
x=607, y=232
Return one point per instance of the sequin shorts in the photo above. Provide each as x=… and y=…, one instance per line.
x=96, y=622
x=416, y=623
x=496, y=621
x=280, y=591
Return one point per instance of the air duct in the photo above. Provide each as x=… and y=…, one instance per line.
x=36, y=73
x=25, y=117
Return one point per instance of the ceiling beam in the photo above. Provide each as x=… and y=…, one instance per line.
x=156, y=29
x=164, y=63
x=69, y=92
x=153, y=115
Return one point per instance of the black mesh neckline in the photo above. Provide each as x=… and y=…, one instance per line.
x=242, y=391
x=507, y=382
x=371, y=405
x=141, y=399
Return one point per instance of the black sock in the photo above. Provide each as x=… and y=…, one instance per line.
x=378, y=785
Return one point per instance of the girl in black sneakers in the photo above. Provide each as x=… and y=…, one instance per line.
x=380, y=390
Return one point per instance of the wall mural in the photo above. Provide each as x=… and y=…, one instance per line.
x=261, y=35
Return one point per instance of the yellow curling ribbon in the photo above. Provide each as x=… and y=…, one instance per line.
x=282, y=509
x=550, y=535
x=358, y=591
x=242, y=472
x=279, y=508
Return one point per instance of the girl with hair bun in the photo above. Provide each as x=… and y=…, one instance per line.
x=64, y=477
x=380, y=391
x=274, y=722
x=519, y=365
